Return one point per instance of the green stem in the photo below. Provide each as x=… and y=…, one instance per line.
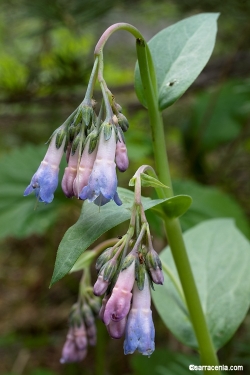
x=174, y=234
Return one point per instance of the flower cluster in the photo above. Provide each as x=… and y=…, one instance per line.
x=82, y=331
x=126, y=283
x=94, y=148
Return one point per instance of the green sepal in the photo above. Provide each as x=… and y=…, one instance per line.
x=123, y=122
x=110, y=269
x=60, y=135
x=87, y=114
x=78, y=116
x=152, y=260
x=76, y=143
x=104, y=258
x=92, y=145
x=140, y=274
x=127, y=261
x=107, y=129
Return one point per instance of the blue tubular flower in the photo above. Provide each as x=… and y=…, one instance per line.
x=140, y=332
x=102, y=183
x=45, y=180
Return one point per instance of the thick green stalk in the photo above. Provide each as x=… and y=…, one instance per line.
x=174, y=234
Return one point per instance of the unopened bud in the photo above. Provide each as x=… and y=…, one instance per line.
x=104, y=258
x=153, y=264
x=110, y=269
x=123, y=122
x=100, y=286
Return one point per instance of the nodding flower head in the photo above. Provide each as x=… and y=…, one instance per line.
x=102, y=183
x=45, y=180
x=140, y=332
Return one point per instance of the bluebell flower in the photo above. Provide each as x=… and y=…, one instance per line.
x=45, y=180
x=140, y=331
x=102, y=183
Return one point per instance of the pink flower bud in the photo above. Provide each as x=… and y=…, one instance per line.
x=100, y=286
x=121, y=156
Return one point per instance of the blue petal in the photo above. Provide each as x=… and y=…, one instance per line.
x=43, y=183
x=139, y=334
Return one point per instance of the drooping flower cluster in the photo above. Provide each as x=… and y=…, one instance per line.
x=126, y=283
x=82, y=330
x=94, y=147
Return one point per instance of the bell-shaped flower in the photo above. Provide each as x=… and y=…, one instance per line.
x=84, y=169
x=119, y=303
x=140, y=332
x=121, y=156
x=102, y=183
x=45, y=180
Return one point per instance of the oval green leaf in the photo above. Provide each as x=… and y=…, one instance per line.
x=179, y=53
x=220, y=256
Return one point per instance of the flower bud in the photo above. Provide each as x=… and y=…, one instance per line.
x=121, y=156
x=153, y=264
x=101, y=285
x=104, y=258
x=123, y=122
x=110, y=269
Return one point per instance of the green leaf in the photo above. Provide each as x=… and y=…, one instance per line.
x=179, y=53
x=21, y=216
x=220, y=256
x=177, y=205
x=92, y=223
x=209, y=202
x=83, y=261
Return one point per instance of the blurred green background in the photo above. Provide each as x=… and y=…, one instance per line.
x=46, y=55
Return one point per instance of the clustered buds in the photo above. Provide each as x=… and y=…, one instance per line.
x=94, y=147
x=82, y=331
x=125, y=283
